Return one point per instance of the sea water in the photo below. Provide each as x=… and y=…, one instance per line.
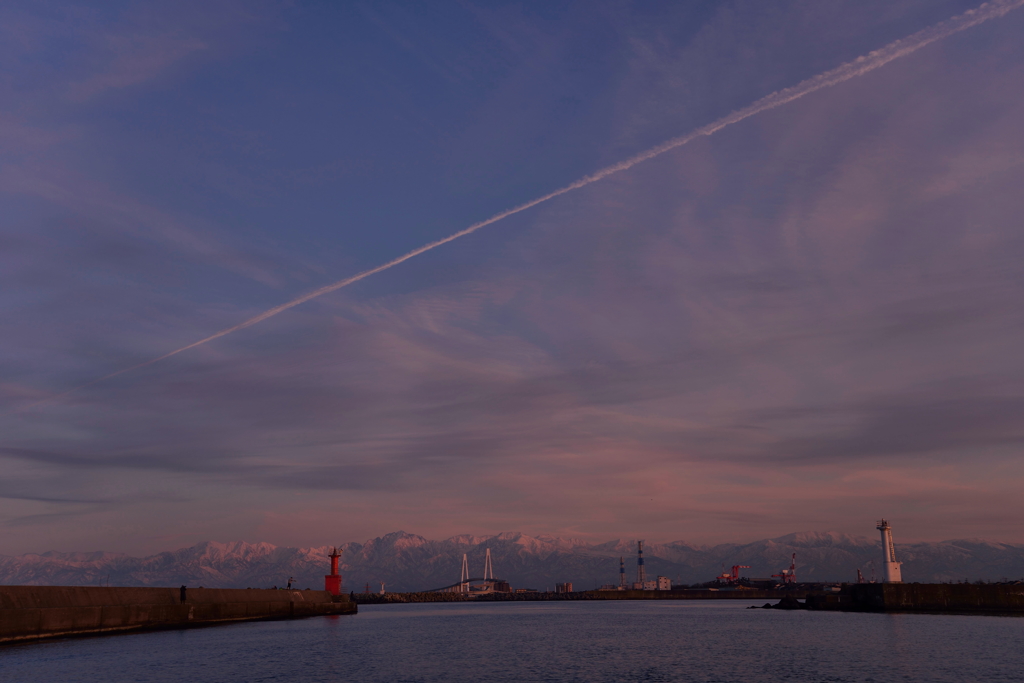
x=665, y=640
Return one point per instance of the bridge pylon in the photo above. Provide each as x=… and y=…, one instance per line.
x=488, y=567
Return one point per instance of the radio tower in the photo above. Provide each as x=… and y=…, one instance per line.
x=890, y=567
x=622, y=573
x=464, y=581
x=641, y=575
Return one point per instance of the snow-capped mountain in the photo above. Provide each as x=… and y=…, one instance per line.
x=407, y=562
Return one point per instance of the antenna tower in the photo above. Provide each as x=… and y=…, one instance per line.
x=641, y=573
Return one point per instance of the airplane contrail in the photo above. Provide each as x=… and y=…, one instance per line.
x=858, y=67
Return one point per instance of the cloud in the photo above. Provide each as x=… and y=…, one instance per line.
x=105, y=207
x=864, y=64
x=811, y=315
x=83, y=52
x=133, y=59
x=929, y=425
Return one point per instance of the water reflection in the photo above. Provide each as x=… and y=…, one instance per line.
x=608, y=641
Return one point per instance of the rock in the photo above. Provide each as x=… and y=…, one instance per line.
x=789, y=602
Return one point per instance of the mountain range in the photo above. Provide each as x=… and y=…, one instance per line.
x=407, y=562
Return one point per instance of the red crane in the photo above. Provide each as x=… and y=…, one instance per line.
x=735, y=575
x=787, y=575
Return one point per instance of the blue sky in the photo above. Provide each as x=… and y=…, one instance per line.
x=809, y=320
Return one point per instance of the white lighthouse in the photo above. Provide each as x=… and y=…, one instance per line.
x=890, y=567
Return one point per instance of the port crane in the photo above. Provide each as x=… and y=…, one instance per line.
x=787, y=575
x=734, y=576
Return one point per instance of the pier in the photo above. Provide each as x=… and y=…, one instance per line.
x=937, y=598
x=35, y=612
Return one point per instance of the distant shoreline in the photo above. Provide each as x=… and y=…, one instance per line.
x=918, y=598
x=541, y=596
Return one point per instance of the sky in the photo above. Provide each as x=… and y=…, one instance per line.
x=807, y=321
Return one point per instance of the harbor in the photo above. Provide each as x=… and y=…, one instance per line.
x=889, y=595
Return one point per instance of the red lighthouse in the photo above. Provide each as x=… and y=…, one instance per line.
x=332, y=582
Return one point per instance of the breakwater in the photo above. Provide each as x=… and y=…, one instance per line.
x=698, y=594
x=34, y=612
x=948, y=598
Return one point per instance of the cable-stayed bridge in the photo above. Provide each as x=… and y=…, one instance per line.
x=483, y=585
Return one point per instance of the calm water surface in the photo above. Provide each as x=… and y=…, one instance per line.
x=581, y=641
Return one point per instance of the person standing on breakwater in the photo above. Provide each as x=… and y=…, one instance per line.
x=183, y=589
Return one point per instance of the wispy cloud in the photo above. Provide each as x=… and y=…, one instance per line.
x=860, y=66
x=133, y=59
x=792, y=321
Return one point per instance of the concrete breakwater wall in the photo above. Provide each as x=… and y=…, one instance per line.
x=33, y=612
x=695, y=594
x=962, y=598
